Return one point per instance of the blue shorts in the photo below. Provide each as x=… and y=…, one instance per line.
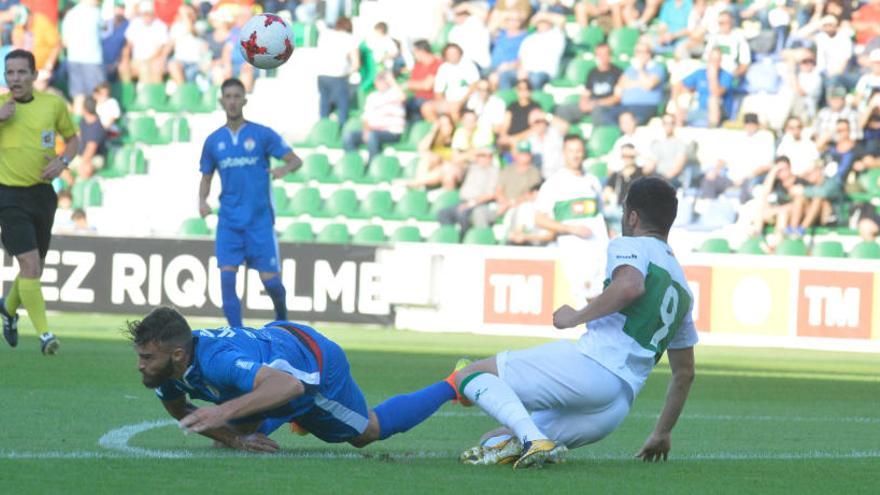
x=337, y=410
x=257, y=245
x=83, y=78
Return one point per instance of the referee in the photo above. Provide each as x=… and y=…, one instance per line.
x=29, y=124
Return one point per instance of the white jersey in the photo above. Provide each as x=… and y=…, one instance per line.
x=574, y=199
x=629, y=343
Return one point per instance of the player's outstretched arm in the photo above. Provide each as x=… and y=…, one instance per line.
x=271, y=389
x=256, y=442
x=627, y=285
x=660, y=441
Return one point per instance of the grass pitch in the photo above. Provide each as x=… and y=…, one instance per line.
x=758, y=421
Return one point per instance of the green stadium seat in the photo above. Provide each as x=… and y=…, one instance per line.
x=508, y=96
x=406, y=233
x=370, y=234
x=187, y=98
x=124, y=93
x=589, y=37
x=417, y=131
x=334, y=233
x=791, y=247
x=599, y=170
x=351, y=168
x=175, y=130
x=150, y=97
x=280, y=201
x=413, y=204
x=601, y=140
x=445, y=234
x=325, y=132
x=623, y=40
x=124, y=161
x=575, y=74
x=195, y=227
x=377, y=204
x=829, y=249
x=752, y=246
x=209, y=99
x=544, y=100
x=384, y=169
x=870, y=181
x=85, y=193
x=317, y=167
x=438, y=44
x=480, y=235
x=715, y=246
x=865, y=250
x=343, y=202
x=444, y=200
x=143, y=130
x=306, y=201
x=304, y=35
x=298, y=232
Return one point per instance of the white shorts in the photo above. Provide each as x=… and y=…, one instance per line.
x=573, y=399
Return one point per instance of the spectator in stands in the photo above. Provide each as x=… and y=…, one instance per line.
x=630, y=135
x=773, y=200
x=144, y=55
x=569, y=206
x=218, y=41
x=92, y=143
x=81, y=223
x=471, y=34
x=435, y=165
x=489, y=107
x=806, y=86
x=869, y=121
x=599, y=11
x=113, y=40
x=837, y=109
x=9, y=9
x=674, y=26
x=598, y=98
x=866, y=22
x=669, y=154
x=516, y=120
x=546, y=135
x=476, y=194
x=519, y=223
x=505, y=50
x=712, y=87
x=765, y=94
x=187, y=48
x=233, y=58
x=541, y=51
x=81, y=36
x=749, y=157
x=735, y=52
x=868, y=222
x=504, y=10
x=421, y=79
x=618, y=183
x=383, y=120
x=516, y=180
x=834, y=51
x=339, y=58
x=451, y=84
x=107, y=108
x=469, y=137
x=800, y=150
x=814, y=203
x=641, y=85
x=62, y=213
x=869, y=82
x=383, y=47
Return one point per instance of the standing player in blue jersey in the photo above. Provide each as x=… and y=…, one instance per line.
x=240, y=151
x=263, y=378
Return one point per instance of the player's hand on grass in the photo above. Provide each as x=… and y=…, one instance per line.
x=204, y=209
x=255, y=442
x=7, y=110
x=203, y=419
x=566, y=317
x=656, y=447
x=53, y=169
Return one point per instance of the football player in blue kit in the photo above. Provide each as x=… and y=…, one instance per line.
x=262, y=378
x=239, y=151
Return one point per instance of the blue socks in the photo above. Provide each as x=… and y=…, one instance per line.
x=231, y=304
x=402, y=412
x=278, y=295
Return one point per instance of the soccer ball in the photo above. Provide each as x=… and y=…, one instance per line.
x=266, y=41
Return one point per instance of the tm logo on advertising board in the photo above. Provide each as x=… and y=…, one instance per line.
x=518, y=292
x=835, y=304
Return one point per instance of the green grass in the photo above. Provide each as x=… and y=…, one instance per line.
x=755, y=422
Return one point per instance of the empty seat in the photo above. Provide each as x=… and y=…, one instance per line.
x=334, y=233
x=413, y=204
x=378, y=203
x=445, y=234
x=342, y=202
x=715, y=246
x=298, y=232
x=406, y=233
x=370, y=234
x=829, y=249
x=306, y=201
x=865, y=250
x=791, y=247
x=480, y=235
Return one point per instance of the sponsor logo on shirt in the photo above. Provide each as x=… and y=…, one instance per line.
x=221, y=146
x=627, y=257
x=245, y=365
x=238, y=161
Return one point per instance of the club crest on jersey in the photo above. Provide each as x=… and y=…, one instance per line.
x=249, y=144
x=221, y=146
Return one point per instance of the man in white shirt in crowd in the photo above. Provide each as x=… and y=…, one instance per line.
x=541, y=51
x=144, y=55
x=81, y=36
x=800, y=150
x=383, y=120
x=471, y=34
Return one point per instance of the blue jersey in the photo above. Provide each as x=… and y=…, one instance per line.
x=226, y=361
x=242, y=159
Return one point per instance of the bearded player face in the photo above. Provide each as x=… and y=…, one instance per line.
x=154, y=363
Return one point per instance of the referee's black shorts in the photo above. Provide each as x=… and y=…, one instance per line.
x=26, y=217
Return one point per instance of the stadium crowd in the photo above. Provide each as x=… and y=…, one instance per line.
x=762, y=112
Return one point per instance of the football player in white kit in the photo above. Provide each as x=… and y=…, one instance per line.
x=564, y=395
